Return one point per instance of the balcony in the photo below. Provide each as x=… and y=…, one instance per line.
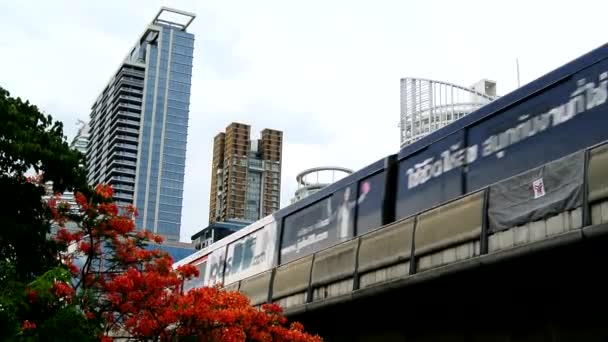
x=129, y=105
x=130, y=98
x=126, y=114
x=120, y=161
x=122, y=179
x=127, y=130
x=124, y=170
x=123, y=154
x=123, y=187
x=124, y=138
x=121, y=196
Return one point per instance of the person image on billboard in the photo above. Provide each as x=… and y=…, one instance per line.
x=345, y=209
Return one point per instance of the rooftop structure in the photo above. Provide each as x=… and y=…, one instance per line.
x=427, y=105
x=316, y=178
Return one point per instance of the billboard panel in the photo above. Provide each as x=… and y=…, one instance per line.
x=306, y=231
x=251, y=254
x=323, y=224
x=342, y=213
x=569, y=116
x=371, y=200
x=431, y=176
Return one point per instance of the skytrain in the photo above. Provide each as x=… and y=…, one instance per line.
x=554, y=116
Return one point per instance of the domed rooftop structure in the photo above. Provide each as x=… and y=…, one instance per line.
x=316, y=178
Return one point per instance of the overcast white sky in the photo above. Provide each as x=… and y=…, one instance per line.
x=325, y=72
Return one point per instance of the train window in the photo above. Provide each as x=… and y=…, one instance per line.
x=370, y=200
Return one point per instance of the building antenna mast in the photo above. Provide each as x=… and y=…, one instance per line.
x=517, y=64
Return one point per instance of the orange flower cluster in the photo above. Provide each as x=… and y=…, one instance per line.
x=220, y=315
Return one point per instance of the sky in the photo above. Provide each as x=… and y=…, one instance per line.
x=326, y=73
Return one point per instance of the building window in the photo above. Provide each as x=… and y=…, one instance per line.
x=253, y=194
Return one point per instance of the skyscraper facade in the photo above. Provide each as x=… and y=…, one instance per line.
x=139, y=124
x=245, y=174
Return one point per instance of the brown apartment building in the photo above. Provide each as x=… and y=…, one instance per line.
x=245, y=174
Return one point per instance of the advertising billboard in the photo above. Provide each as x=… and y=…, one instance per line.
x=431, y=176
x=563, y=119
x=251, y=254
x=369, y=211
x=342, y=213
x=320, y=225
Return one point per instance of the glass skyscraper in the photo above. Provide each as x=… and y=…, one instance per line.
x=139, y=124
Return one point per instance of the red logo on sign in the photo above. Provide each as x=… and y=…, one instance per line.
x=539, y=188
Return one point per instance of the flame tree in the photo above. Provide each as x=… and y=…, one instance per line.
x=99, y=281
x=123, y=289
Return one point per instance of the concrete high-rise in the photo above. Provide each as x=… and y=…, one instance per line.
x=139, y=123
x=245, y=174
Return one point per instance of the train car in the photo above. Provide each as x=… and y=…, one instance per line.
x=325, y=218
x=560, y=113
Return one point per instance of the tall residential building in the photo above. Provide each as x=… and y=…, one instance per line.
x=81, y=140
x=139, y=124
x=428, y=105
x=245, y=174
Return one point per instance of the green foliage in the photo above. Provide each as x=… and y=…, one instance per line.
x=66, y=324
x=11, y=295
x=43, y=284
x=29, y=141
